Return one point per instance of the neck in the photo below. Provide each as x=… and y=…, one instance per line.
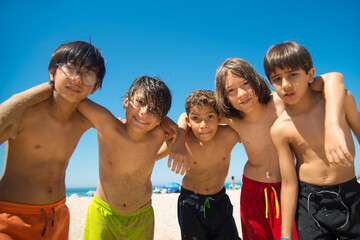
x=61, y=109
x=136, y=136
x=257, y=114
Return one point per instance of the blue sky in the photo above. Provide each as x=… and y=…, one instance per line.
x=181, y=42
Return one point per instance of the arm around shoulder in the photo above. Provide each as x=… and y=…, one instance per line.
x=97, y=115
x=12, y=109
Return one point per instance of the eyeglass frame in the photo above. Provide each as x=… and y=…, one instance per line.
x=78, y=72
x=144, y=105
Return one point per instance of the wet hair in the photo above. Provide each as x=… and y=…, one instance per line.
x=81, y=54
x=199, y=98
x=287, y=55
x=155, y=92
x=240, y=68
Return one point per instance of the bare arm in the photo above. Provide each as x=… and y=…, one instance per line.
x=170, y=127
x=97, y=115
x=289, y=182
x=352, y=114
x=12, y=109
x=178, y=155
x=333, y=88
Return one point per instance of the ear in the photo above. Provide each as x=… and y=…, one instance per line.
x=126, y=102
x=51, y=75
x=187, y=121
x=311, y=75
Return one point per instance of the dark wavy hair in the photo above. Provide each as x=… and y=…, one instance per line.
x=156, y=94
x=200, y=98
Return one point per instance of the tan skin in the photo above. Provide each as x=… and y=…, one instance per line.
x=254, y=128
x=127, y=153
x=300, y=130
x=36, y=160
x=208, y=148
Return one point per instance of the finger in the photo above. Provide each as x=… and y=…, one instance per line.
x=184, y=168
x=169, y=160
x=349, y=157
x=174, y=165
x=329, y=158
x=342, y=158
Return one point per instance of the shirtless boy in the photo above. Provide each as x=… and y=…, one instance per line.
x=246, y=104
x=121, y=208
x=326, y=201
x=204, y=209
x=32, y=187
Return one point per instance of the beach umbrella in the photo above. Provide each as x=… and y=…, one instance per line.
x=158, y=189
x=173, y=184
x=91, y=193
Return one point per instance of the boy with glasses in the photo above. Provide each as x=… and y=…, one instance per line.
x=32, y=187
x=121, y=207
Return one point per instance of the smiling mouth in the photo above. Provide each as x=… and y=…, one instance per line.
x=72, y=89
x=245, y=102
x=140, y=121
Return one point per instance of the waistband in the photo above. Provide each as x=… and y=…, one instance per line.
x=335, y=188
x=106, y=206
x=30, y=208
x=247, y=182
x=217, y=195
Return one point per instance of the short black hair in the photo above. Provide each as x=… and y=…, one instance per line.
x=290, y=55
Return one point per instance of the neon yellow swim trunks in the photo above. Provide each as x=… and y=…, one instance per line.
x=103, y=222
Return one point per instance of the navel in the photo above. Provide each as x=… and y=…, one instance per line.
x=50, y=190
x=37, y=146
x=195, y=162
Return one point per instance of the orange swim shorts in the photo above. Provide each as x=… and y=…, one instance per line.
x=24, y=221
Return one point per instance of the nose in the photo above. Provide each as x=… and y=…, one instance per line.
x=285, y=83
x=77, y=79
x=203, y=124
x=240, y=92
x=144, y=109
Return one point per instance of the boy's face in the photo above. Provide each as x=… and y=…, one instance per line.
x=69, y=82
x=240, y=93
x=291, y=85
x=203, y=121
x=138, y=114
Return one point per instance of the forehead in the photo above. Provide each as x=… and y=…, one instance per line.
x=280, y=71
x=204, y=109
x=232, y=79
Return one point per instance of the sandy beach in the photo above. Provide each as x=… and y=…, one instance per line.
x=165, y=207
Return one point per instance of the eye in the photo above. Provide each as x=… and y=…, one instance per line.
x=212, y=116
x=275, y=80
x=292, y=74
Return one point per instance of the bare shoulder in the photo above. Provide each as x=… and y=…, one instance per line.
x=277, y=102
x=227, y=132
x=281, y=125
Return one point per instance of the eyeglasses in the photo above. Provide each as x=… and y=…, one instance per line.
x=140, y=103
x=69, y=71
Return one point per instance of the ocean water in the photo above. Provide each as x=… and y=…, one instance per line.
x=84, y=191
x=79, y=191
